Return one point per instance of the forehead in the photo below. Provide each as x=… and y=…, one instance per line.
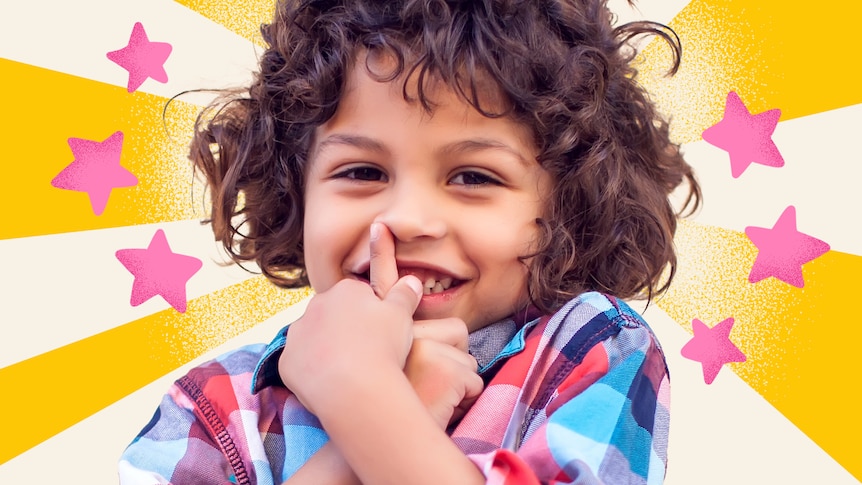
x=377, y=112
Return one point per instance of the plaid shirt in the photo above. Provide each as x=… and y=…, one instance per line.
x=577, y=397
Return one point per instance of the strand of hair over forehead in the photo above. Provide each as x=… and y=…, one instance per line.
x=493, y=39
x=462, y=41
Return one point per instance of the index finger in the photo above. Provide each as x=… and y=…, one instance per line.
x=383, y=271
x=450, y=331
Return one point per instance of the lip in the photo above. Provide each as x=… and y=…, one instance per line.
x=438, y=305
x=404, y=266
x=434, y=305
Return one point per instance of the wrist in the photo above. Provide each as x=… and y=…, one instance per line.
x=326, y=467
x=345, y=390
x=331, y=386
x=387, y=436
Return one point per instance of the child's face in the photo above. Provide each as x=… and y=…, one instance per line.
x=459, y=192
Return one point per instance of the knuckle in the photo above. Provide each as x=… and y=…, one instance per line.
x=461, y=328
x=480, y=384
x=422, y=348
x=346, y=284
x=456, y=322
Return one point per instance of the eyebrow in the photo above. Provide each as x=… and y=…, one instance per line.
x=479, y=144
x=357, y=141
x=462, y=147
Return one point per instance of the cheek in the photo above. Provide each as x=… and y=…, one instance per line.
x=309, y=240
x=334, y=233
x=506, y=234
x=323, y=245
x=498, y=251
x=499, y=255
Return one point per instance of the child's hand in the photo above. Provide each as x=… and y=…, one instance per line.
x=382, y=268
x=441, y=371
x=348, y=334
x=438, y=367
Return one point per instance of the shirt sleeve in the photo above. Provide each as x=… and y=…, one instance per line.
x=606, y=419
x=207, y=429
x=175, y=447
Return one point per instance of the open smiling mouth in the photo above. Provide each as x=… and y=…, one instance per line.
x=432, y=281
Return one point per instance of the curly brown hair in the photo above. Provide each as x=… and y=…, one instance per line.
x=565, y=72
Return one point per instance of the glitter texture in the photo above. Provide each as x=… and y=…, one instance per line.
x=772, y=55
x=712, y=284
x=50, y=108
x=720, y=54
x=792, y=337
x=158, y=151
x=243, y=17
x=108, y=366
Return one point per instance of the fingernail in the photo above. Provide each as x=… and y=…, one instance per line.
x=375, y=230
x=414, y=283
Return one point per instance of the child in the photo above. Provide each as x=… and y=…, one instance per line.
x=464, y=184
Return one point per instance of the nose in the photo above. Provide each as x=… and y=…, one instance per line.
x=413, y=213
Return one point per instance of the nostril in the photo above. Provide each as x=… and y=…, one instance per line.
x=408, y=222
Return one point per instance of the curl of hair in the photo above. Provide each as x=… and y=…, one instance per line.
x=562, y=67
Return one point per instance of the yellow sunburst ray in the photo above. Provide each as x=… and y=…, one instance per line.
x=88, y=375
x=244, y=17
x=796, y=356
x=798, y=57
x=48, y=108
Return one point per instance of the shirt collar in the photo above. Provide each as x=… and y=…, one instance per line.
x=487, y=342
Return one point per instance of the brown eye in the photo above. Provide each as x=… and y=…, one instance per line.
x=474, y=179
x=365, y=174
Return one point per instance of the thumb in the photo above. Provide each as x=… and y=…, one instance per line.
x=406, y=293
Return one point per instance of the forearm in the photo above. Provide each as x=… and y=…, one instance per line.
x=388, y=437
x=326, y=467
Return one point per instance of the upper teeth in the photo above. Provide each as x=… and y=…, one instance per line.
x=433, y=286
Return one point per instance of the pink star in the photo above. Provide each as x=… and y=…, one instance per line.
x=783, y=250
x=142, y=58
x=159, y=271
x=746, y=137
x=712, y=347
x=96, y=170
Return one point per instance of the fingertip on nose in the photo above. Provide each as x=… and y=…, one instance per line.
x=375, y=230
